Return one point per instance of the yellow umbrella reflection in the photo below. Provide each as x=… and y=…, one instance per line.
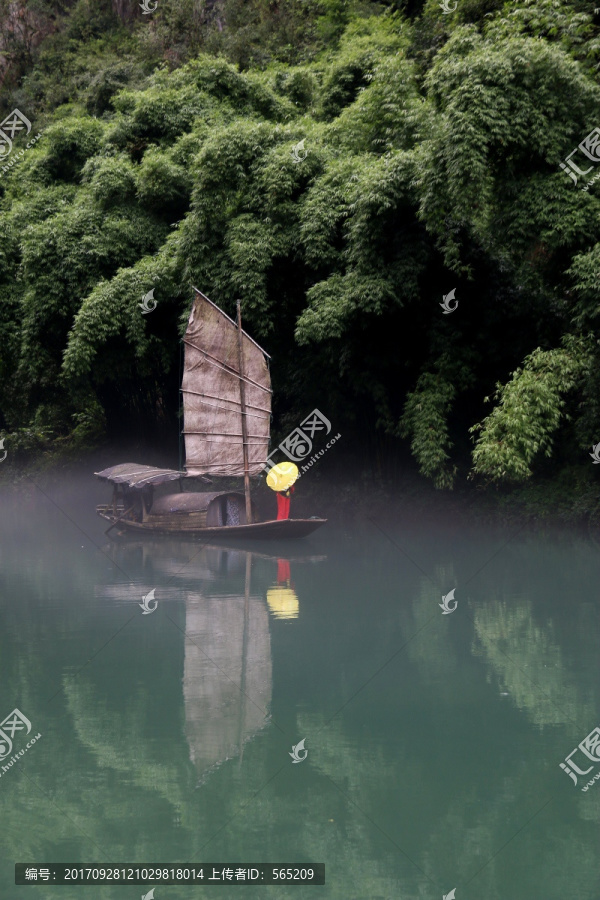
x=283, y=602
x=282, y=598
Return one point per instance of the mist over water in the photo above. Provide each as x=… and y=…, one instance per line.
x=434, y=741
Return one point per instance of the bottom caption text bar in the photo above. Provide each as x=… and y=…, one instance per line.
x=169, y=873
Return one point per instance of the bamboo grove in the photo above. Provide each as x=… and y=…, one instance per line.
x=340, y=168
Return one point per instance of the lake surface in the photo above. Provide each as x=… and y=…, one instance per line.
x=434, y=740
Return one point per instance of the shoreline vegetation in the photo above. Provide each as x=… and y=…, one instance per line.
x=341, y=168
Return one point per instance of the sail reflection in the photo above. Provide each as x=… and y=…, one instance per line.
x=227, y=665
x=227, y=668
x=227, y=676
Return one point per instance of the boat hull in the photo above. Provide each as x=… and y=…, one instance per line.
x=278, y=529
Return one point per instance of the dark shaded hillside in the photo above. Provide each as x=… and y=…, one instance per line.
x=429, y=167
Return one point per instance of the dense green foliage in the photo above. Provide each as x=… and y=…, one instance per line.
x=429, y=161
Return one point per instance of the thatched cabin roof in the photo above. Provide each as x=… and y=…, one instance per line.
x=137, y=476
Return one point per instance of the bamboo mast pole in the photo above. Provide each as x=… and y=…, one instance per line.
x=243, y=407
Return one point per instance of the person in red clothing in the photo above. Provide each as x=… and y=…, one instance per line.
x=280, y=479
x=283, y=503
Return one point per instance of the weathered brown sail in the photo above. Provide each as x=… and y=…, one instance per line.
x=212, y=410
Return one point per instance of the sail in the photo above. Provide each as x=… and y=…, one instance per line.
x=211, y=395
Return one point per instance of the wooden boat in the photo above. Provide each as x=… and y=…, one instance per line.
x=226, y=390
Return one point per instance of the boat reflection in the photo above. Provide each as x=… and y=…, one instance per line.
x=187, y=560
x=227, y=666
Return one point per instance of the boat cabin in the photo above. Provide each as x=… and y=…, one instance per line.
x=134, y=501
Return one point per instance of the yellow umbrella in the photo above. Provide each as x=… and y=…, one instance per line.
x=282, y=476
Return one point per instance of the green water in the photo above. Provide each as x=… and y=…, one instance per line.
x=434, y=741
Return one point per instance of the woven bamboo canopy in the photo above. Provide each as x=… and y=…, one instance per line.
x=136, y=476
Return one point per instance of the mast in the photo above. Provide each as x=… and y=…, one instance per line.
x=243, y=411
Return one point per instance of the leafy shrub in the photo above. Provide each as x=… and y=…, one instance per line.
x=89, y=426
x=67, y=145
x=111, y=180
x=352, y=70
x=528, y=411
x=299, y=85
x=425, y=421
x=105, y=84
x=89, y=19
x=162, y=184
x=26, y=444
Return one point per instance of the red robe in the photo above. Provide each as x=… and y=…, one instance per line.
x=283, y=503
